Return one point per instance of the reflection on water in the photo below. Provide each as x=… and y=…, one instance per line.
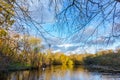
x=59, y=73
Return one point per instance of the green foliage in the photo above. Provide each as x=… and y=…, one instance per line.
x=103, y=58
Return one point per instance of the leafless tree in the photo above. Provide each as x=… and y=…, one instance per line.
x=72, y=16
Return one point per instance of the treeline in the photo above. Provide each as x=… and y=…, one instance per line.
x=19, y=52
x=25, y=52
x=104, y=58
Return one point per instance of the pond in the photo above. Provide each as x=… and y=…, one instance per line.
x=60, y=73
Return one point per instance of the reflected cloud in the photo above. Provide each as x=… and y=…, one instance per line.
x=59, y=73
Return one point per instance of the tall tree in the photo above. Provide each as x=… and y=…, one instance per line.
x=6, y=21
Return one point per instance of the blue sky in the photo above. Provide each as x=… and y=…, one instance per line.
x=67, y=37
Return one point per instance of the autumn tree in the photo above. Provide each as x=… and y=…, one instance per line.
x=6, y=21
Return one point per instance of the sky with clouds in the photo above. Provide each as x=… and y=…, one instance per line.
x=69, y=37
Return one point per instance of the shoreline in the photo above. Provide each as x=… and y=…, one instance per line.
x=97, y=68
x=19, y=69
x=100, y=68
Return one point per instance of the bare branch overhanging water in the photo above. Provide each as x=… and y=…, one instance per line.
x=71, y=16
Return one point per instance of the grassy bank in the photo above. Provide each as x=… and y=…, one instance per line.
x=106, y=69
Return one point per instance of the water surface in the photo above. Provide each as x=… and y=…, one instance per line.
x=59, y=73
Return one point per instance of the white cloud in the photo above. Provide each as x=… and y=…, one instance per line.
x=65, y=45
x=58, y=50
x=89, y=30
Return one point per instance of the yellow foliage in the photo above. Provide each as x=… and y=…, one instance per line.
x=70, y=62
x=2, y=33
x=34, y=40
